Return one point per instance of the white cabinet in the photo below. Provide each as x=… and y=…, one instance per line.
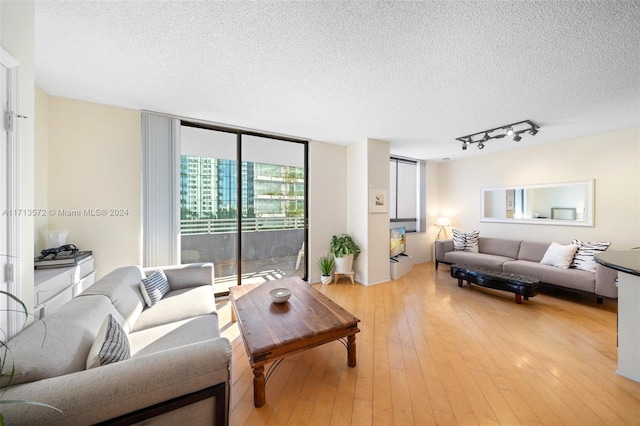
x=53, y=287
x=628, y=326
x=401, y=265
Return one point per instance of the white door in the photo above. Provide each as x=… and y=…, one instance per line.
x=4, y=246
x=11, y=321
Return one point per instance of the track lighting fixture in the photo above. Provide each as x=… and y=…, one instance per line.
x=514, y=130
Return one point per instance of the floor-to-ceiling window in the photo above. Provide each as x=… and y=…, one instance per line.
x=242, y=204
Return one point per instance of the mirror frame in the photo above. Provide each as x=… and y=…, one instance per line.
x=589, y=207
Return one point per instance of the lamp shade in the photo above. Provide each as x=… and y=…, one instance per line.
x=443, y=221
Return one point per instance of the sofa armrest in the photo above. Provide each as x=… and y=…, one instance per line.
x=103, y=393
x=185, y=276
x=605, y=281
x=442, y=247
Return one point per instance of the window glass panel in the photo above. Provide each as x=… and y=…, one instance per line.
x=393, y=174
x=403, y=190
x=406, y=190
x=267, y=196
x=208, y=202
x=273, y=248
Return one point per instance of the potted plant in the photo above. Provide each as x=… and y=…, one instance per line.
x=326, y=264
x=345, y=251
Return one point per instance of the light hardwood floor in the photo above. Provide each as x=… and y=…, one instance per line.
x=430, y=352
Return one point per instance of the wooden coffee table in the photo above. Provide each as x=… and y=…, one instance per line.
x=272, y=331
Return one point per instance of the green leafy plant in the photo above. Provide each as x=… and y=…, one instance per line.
x=326, y=264
x=344, y=245
x=7, y=366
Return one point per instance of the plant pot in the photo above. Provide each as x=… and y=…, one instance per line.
x=344, y=264
x=325, y=279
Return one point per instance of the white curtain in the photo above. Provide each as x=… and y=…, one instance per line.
x=160, y=190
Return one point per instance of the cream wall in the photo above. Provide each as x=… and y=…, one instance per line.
x=356, y=213
x=41, y=169
x=377, y=250
x=612, y=159
x=94, y=172
x=327, y=200
x=420, y=244
x=17, y=37
x=103, y=144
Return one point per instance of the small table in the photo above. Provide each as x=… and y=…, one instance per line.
x=521, y=285
x=271, y=331
x=349, y=274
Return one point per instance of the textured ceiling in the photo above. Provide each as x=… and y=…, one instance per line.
x=416, y=74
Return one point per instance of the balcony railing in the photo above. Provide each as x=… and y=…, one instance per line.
x=216, y=226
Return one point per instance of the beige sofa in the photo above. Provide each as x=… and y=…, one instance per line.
x=523, y=258
x=179, y=367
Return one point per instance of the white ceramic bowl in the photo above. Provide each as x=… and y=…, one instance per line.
x=280, y=295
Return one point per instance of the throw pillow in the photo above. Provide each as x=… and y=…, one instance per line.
x=111, y=344
x=154, y=287
x=465, y=242
x=559, y=256
x=584, y=257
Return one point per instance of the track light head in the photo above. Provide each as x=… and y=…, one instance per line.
x=513, y=130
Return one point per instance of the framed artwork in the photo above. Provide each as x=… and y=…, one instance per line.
x=378, y=200
x=511, y=195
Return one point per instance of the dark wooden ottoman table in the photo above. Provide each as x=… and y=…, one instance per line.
x=521, y=285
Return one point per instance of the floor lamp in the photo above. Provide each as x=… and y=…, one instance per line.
x=442, y=222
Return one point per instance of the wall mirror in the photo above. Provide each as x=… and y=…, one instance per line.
x=567, y=203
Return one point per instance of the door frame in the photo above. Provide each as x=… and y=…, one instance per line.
x=239, y=134
x=12, y=270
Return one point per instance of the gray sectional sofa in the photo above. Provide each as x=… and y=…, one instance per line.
x=523, y=258
x=178, y=372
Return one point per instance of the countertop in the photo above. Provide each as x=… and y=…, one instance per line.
x=624, y=261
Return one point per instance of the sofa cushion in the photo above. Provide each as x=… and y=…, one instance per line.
x=179, y=333
x=570, y=278
x=154, y=287
x=122, y=287
x=465, y=241
x=60, y=343
x=559, y=255
x=499, y=246
x=584, y=257
x=490, y=261
x=111, y=344
x=178, y=305
x=189, y=275
x=532, y=251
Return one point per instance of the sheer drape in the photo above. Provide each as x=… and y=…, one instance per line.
x=160, y=189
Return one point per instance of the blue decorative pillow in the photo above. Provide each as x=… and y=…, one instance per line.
x=111, y=344
x=154, y=287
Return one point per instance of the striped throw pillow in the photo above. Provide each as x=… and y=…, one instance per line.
x=154, y=287
x=584, y=257
x=111, y=344
x=465, y=241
